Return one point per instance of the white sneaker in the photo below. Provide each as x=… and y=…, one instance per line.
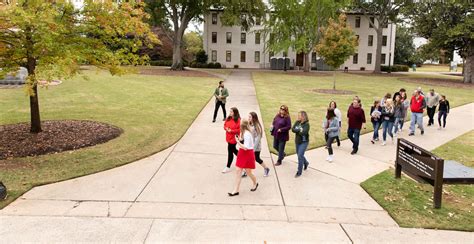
x=384, y=143
x=330, y=158
x=226, y=170
x=327, y=158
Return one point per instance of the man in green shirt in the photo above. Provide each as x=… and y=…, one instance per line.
x=221, y=95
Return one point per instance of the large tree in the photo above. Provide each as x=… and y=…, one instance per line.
x=338, y=43
x=383, y=12
x=296, y=24
x=448, y=25
x=404, y=47
x=179, y=13
x=52, y=38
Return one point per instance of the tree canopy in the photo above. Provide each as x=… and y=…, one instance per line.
x=296, y=24
x=52, y=39
x=338, y=43
x=447, y=25
x=177, y=15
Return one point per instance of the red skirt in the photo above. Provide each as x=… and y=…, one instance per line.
x=245, y=159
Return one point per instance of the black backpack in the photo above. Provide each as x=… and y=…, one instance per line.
x=3, y=191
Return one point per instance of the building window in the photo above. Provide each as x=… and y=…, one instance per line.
x=383, y=58
x=243, y=38
x=242, y=56
x=371, y=40
x=228, y=56
x=357, y=22
x=257, y=38
x=313, y=58
x=372, y=20
x=214, y=18
x=257, y=56
x=384, y=41
x=272, y=38
x=355, y=58
x=214, y=56
x=357, y=38
x=228, y=36
x=369, y=58
x=258, y=21
x=214, y=37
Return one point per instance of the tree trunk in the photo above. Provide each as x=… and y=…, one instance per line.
x=31, y=67
x=378, y=50
x=34, y=102
x=307, y=64
x=334, y=82
x=468, y=68
x=177, y=55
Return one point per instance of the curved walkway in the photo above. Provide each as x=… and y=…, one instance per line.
x=179, y=194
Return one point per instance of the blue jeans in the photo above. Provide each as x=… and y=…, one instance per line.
x=376, y=125
x=353, y=135
x=387, y=127
x=300, y=149
x=398, y=121
x=416, y=118
x=279, y=146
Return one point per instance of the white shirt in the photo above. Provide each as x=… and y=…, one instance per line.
x=248, y=140
x=338, y=114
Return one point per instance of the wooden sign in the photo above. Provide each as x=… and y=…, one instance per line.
x=421, y=165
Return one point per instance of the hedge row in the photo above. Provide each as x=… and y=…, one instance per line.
x=209, y=65
x=395, y=68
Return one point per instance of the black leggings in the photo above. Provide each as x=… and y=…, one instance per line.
x=257, y=157
x=231, y=150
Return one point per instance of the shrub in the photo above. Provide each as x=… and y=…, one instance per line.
x=195, y=64
x=161, y=62
x=395, y=68
x=201, y=57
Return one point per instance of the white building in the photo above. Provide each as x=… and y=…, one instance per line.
x=231, y=46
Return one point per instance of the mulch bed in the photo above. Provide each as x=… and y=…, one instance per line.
x=57, y=136
x=439, y=82
x=331, y=91
x=168, y=72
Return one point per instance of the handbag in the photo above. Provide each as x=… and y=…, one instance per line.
x=3, y=191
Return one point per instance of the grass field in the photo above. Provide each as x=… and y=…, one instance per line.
x=436, y=68
x=411, y=203
x=276, y=88
x=153, y=111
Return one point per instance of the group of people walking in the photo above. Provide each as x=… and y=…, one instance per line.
x=389, y=113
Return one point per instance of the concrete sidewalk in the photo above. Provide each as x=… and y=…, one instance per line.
x=180, y=194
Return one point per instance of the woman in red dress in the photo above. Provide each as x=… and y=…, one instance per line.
x=245, y=157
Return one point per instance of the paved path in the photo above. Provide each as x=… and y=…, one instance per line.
x=179, y=194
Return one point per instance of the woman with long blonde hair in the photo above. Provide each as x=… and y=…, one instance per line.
x=301, y=130
x=257, y=132
x=245, y=158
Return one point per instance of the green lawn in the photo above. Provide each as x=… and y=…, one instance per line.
x=436, y=68
x=276, y=88
x=411, y=203
x=153, y=111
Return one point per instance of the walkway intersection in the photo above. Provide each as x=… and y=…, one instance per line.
x=179, y=194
